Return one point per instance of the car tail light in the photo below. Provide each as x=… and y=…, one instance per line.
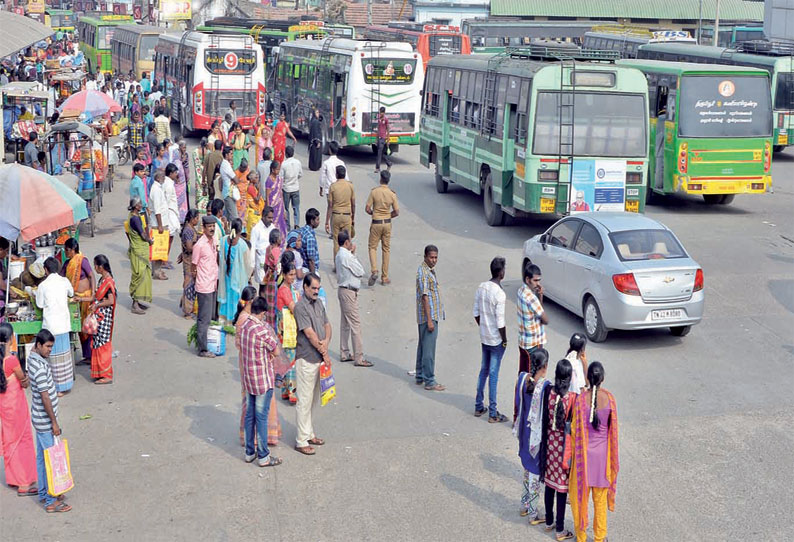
x=683, y=157
x=698, y=281
x=767, y=156
x=625, y=284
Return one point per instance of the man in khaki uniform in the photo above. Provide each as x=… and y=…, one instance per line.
x=382, y=205
x=341, y=213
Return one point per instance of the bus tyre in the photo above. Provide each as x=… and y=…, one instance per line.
x=593, y=323
x=494, y=215
x=680, y=331
x=727, y=199
x=714, y=199
x=441, y=185
x=778, y=148
x=650, y=196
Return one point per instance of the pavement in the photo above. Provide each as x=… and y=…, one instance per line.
x=705, y=447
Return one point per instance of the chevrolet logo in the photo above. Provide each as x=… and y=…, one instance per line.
x=668, y=280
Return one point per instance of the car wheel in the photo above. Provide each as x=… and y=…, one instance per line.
x=680, y=331
x=494, y=215
x=441, y=185
x=593, y=323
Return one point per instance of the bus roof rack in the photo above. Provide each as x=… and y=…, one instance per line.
x=561, y=52
x=767, y=47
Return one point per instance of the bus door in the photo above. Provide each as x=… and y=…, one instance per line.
x=519, y=135
x=338, y=106
x=503, y=189
x=665, y=111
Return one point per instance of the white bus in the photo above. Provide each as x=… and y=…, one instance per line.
x=204, y=73
x=349, y=81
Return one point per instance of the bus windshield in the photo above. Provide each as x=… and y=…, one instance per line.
x=389, y=71
x=609, y=125
x=725, y=106
x=146, y=49
x=445, y=45
x=103, y=36
x=784, y=94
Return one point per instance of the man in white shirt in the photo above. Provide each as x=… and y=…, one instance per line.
x=53, y=296
x=169, y=187
x=227, y=179
x=154, y=97
x=489, y=313
x=159, y=205
x=292, y=170
x=260, y=240
x=348, y=274
x=328, y=170
x=90, y=83
x=263, y=169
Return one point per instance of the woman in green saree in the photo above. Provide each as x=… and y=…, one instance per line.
x=140, y=241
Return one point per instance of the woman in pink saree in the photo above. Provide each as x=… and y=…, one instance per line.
x=179, y=158
x=16, y=438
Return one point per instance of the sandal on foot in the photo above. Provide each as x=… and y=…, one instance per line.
x=386, y=282
x=270, y=461
x=565, y=535
x=523, y=512
x=437, y=387
x=478, y=413
x=499, y=418
x=373, y=278
x=27, y=493
x=58, y=506
x=305, y=450
x=345, y=359
x=363, y=363
x=136, y=310
x=316, y=441
x=101, y=381
x=537, y=520
x=549, y=528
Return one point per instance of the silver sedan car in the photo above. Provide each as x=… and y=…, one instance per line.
x=619, y=271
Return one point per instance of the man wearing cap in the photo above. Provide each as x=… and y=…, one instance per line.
x=205, y=270
x=382, y=205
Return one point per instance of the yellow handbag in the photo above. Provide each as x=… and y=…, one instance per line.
x=289, y=329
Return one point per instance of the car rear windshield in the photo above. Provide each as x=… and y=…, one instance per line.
x=638, y=245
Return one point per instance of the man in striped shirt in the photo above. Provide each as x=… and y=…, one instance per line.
x=257, y=345
x=532, y=319
x=44, y=413
x=429, y=311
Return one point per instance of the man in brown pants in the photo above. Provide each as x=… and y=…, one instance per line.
x=382, y=205
x=348, y=276
x=341, y=214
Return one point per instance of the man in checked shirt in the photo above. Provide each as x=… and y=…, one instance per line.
x=532, y=319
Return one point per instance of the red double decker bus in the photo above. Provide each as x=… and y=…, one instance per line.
x=428, y=40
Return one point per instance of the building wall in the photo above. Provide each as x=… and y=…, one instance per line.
x=779, y=19
x=426, y=13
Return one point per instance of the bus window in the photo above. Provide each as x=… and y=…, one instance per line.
x=661, y=101
x=784, y=95
x=146, y=48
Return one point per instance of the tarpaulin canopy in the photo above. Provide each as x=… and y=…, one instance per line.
x=20, y=32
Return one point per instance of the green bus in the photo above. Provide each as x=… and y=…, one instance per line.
x=493, y=35
x=537, y=131
x=731, y=35
x=778, y=64
x=95, y=34
x=711, y=129
x=60, y=20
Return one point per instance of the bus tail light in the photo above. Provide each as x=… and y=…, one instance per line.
x=698, y=281
x=261, y=102
x=625, y=284
x=781, y=120
x=198, y=102
x=548, y=174
x=767, y=156
x=634, y=177
x=683, y=157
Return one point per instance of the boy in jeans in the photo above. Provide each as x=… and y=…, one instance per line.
x=44, y=414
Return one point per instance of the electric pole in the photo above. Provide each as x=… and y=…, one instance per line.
x=716, y=25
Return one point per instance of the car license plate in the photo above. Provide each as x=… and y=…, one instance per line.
x=669, y=314
x=633, y=206
x=546, y=205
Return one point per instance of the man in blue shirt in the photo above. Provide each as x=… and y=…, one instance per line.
x=308, y=250
x=138, y=185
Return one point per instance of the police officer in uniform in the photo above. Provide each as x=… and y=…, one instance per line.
x=382, y=205
x=341, y=213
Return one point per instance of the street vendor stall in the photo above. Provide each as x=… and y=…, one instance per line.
x=33, y=206
x=25, y=109
x=73, y=147
x=66, y=82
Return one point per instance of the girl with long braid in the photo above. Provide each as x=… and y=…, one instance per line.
x=555, y=471
x=531, y=391
x=595, y=461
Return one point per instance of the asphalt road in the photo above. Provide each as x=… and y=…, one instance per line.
x=705, y=444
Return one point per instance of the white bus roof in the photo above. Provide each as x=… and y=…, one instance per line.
x=344, y=45
x=200, y=38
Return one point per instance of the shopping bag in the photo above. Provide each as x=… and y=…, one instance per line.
x=90, y=324
x=327, y=384
x=159, y=250
x=289, y=329
x=59, y=472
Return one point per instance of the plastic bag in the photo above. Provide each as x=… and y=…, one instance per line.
x=59, y=472
x=327, y=384
x=90, y=325
x=159, y=250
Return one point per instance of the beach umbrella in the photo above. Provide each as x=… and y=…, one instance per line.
x=90, y=101
x=33, y=203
